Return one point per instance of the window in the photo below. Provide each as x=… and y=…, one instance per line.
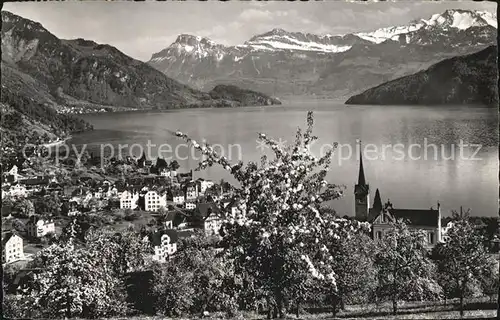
x=379, y=234
x=431, y=237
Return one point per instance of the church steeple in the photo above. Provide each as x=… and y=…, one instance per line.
x=361, y=175
x=377, y=202
x=361, y=193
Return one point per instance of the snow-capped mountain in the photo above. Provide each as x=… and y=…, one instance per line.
x=279, y=39
x=281, y=63
x=194, y=46
x=462, y=19
x=450, y=19
x=80, y=74
x=190, y=46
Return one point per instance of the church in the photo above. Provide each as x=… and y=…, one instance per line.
x=381, y=215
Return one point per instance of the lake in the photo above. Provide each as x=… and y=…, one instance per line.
x=407, y=151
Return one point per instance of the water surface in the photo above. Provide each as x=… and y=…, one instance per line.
x=420, y=182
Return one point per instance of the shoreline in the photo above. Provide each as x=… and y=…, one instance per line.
x=57, y=142
x=173, y=110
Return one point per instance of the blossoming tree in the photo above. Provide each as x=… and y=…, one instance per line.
x=75, y=278
x=73, y=282
x=463, y=259
x=277, y=226
x=405, y=271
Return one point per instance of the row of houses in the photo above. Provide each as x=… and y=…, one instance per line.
x=207, y=217
x=155, y=198
x=177, y=224
x=155, y=191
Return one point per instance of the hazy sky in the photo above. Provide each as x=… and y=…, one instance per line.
x=141, y=29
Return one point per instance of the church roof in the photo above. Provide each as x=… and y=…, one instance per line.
x=417, y=217
x=373, y=214
x=412, y=217
x=206, y=209
x=377, y=201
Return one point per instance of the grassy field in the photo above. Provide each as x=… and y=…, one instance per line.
x=479, y=314
x=476, y=308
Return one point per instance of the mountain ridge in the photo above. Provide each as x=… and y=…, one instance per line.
x=92, y=72
x=285, y=63
x=469, y=79
x=45, y=79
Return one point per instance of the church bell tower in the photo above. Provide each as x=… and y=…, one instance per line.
x=361, y=193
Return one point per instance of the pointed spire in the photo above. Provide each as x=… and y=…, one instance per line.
x=361, y=176
x=377, y=201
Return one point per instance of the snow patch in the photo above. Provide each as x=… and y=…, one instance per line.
x=236, y=59
x=188, y=48
x=383, y=34
x=276, y=43
x=490, y=18
x=462, y=21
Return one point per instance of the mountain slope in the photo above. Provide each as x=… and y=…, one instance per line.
x=470, y=79
x=27, y=115
x=293, y=63
x=91, y=73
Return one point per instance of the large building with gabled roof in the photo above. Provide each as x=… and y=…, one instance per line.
x=12, y=247
x=380, y=216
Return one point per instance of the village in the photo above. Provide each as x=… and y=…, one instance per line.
x=162, y=202
x=156, y=197
x=175, y=217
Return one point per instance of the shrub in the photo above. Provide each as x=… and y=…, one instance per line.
x=51, y=237
x=118, y=215
x=131, y=216
x=18, y=225
x=15, y=307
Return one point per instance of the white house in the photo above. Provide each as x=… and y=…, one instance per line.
x=168, y=173
x=14, y=170
x=129, y=199
x=236, y=207
x=211, y=216
x=190, y=205
x=98, y=194
x=38, y=228
x=164, y=172
x=12, y=248
x=111, y=192
x=178, y=197
x=164, y=243
x=14, y=173
x=191, y=191
x=204, y=185
x=87, y=198
x=73, y=212
x=154, y=201
x=18, y=190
